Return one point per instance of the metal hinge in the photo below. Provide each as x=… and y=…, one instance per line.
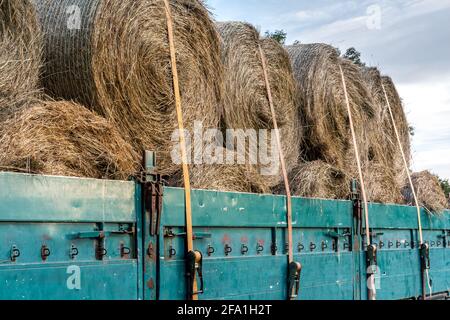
x=153, y=192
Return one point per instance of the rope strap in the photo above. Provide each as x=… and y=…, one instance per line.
x=358, y=159
x=372, y=289
x=405, y=162
x=413, y=189
x=186, y=178
x=282, y=161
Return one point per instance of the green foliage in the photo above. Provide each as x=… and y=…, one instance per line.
x=445, y=186
x=279, y=35
x=354, y=55
x=338, y=51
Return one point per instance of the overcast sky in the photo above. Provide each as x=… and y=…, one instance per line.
x=407, y=39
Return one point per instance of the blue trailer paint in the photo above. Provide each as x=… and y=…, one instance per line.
x=74, y=239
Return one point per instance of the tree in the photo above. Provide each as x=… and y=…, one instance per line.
x=355, y=56
x=445, y=186
x=338, y=51
x=278, y=35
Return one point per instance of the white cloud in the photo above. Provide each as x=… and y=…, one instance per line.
x=311, y=16
x=428, y=109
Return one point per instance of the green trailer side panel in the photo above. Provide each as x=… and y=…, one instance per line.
x=26, y=197
x=242, y=238
x=72, y=239
x=216, y=209
x=59, y=281
x=250, y=226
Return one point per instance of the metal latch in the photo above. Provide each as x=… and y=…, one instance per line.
x=424, y=266
x=337, y=237
x=425, y=256
x=168, y=233
x=97, y=234
x=372, y=266
x=295, y=269
x=194, y=267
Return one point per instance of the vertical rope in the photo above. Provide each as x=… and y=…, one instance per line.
x=187, y=182
x=405, y=162
x=361, y=178
x=358, y=160
x=281, y=154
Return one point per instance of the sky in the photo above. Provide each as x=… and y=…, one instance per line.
x=408, y=40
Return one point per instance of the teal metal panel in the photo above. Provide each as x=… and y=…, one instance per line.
x=333, y=267
x=395, y=232
x=59, y=281
x=251, y=227
x=243, y=233
x=216, y=209
x=405, y=217
x=72, y=239
x=26, y=197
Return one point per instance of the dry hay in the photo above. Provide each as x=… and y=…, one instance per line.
x=317, y=179
x=64, y=138
x=118, y=64
x=429, y=192
x=232, y=178
x=20, y=55
x=402, y=126
x=384, y=146
x=382, y=185
x=246, y=105
x=323, y=107
x=227, y=178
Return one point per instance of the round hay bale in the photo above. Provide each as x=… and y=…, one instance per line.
x=382, y=185
x=64, y=138
x=429, y=192
x=223, y=177
x=246, y=105
x=383, y=141
x=400, y=119
x=317, y=179
x=113, y=56
x=20, y=55
x=323, y=107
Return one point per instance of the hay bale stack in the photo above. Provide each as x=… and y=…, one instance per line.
x=116, y=61
x=317, y=179
x=20, y=55
x=246, y=104
x=429, y=192
x=323, y=107
x=64, y=138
